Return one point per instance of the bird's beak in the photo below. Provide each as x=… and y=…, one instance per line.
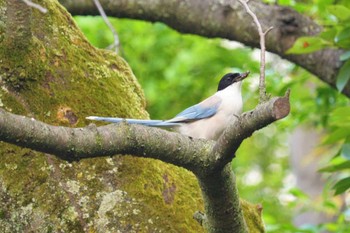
x=242, y=76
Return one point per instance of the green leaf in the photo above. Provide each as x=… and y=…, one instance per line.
x=337, y=135
x=340, y=117
x=344, y=34
x=298, y=193
x=343, y=37
x=330, y=205
x=341, y=186
x=307, y=45
x=337, y=167
x=343, y=76
x=329, y=34
x=339, y=11
x=340, y=112
x=345, y=56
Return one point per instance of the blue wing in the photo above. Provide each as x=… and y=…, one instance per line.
x=205, y=109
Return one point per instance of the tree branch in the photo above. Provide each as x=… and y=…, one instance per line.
x=218, y=186
x=227, y=19
x=262, y=34
x=207, y=159
x=73, y=144
x=199, y=156
x=36, y=6
x=219, y=189
x=115, y=46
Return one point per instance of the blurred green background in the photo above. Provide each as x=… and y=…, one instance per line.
x=177, y=71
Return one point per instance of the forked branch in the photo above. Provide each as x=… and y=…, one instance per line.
x=262, y=34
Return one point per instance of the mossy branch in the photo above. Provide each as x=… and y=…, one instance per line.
x=199, y=156
x=206, y=159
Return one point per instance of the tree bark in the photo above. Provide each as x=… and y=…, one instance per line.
x=208, y=160
x=218, y=190
x=227, y=19
x=48, y=71
x=202, y=157
x=129, y=194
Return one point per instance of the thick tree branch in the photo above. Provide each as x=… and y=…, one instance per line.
x=218, y=190
x=228, y=19
x=223, y=211
x=199, y=156
x=207, y=159
x=73, y=144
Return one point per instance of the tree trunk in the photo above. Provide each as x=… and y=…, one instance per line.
x=49, y=71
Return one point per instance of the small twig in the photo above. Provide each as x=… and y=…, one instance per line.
x=116, y=42
x=36, y=6
x=262, y=34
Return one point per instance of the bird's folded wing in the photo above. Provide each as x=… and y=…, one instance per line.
x=204, y=109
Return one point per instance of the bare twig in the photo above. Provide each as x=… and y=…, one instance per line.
x=262, y=34
x=115, y=45
x=36, y=6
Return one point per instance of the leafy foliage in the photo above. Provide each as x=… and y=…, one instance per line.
x=308, y=45
x=340, y=134
x=336, y=34
x=335, y=17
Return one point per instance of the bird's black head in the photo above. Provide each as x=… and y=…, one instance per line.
x=231, y=78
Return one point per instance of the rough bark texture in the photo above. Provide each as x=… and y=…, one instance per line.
x=202, y=157
x=56, y=76
x=228, y=19
x=217, y=190
x=209, y=160
x=50, y=72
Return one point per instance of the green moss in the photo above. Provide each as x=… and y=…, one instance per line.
x=252, y=215
x=60, y=79
x=167, y=190
x=61, y=73
x=10, y=102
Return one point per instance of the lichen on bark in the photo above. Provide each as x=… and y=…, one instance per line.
x=60, y=78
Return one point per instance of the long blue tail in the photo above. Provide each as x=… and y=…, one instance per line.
x=151, y=123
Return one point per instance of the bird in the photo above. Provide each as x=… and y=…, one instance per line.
x=207, y=119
